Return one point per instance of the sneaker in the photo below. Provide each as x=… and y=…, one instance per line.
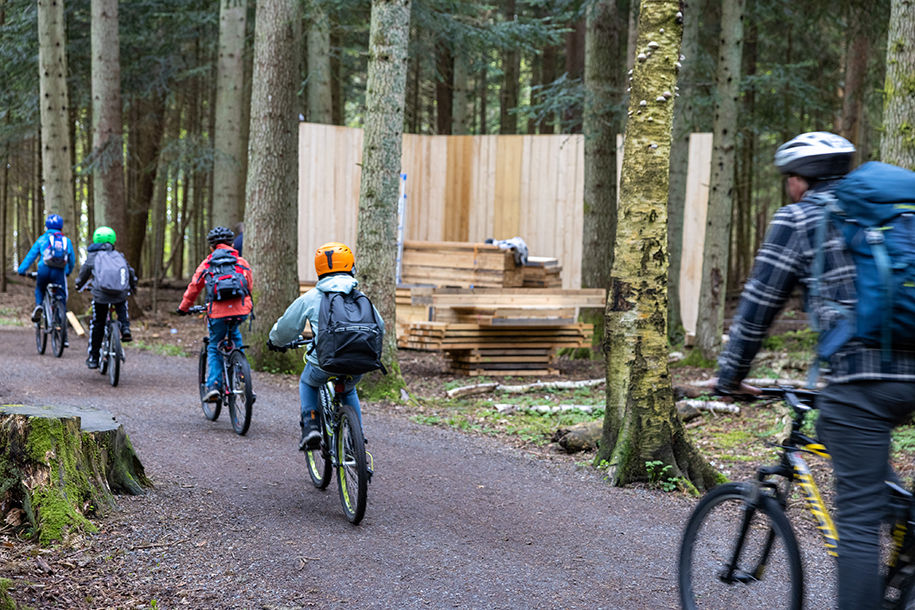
x=36, y=314
x=212, y=394
x=126, y=337
x=92, y=362
x=66, y=343
x=311, y=439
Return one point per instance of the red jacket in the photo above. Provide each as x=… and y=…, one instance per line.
x=219, y=309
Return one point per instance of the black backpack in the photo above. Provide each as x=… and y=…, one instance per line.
x=225, y=278
x=349, y=337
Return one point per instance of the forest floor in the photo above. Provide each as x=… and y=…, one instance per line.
x=100, y=571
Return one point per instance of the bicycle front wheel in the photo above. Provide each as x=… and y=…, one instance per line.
x=114, y=356
x=241, y=394
x=352, y=474
x=210, y=409
x=733, y=556
x=41, y=337
x=58, y=322
x=320, y=468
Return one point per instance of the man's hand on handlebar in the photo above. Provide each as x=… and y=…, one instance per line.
x=182, y=312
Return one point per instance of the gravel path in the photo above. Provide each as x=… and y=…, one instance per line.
x=453, y=521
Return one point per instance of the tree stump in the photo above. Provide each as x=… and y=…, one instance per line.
x=59, y=464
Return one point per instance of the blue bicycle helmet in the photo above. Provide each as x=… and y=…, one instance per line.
x=55, y=222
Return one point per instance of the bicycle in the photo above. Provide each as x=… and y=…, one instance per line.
x=342, y=447
x=738, y=545
x=237, y=389
x=111, y=354
x=53, y=319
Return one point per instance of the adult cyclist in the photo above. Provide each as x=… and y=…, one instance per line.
x=866, y=396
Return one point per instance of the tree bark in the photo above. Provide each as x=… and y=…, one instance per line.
x=602, y=91
x=684, y=124
x=713, y=291
x=640, y=422
x=109, y=196
x=147, y=142
x=230, y=88
x=444, y=89
x=856, y=56
x=272, y=214
x=511, y=69
x=459, y=114
x=898, y=144
x=376, y=246
x=320, y=98
x=60, y=464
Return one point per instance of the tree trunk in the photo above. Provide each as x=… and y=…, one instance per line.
x=575, y=66
x=109, y=197
x=60, y=463
x=641, y=423
x=320, y=98
x=713, y=291
x=898, y=144
x=272, y=214
x=444, y=89
x=459, y=114
x=602, y=89
x=684, y=124
x=511, y=69
x=230, y=88
x=338, y=100
x=857, y=51
x=147, y=134
x=376, y=245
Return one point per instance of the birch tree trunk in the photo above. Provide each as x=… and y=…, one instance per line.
x=603, y=72
x=320, y=100
x=109, y=197
x=641, y=423
x=684, y=125
x=898, y=144
x=230, y=87
x=271, y=217
x=376, y=245
x=713, y=290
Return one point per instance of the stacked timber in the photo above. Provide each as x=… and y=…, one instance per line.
x=501, y=332
x=542, y=272
x=459, y=264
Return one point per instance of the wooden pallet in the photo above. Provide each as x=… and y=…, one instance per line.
x=460, y=264
x=542, y=272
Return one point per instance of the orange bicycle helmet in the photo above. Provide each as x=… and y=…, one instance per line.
x=333, y=257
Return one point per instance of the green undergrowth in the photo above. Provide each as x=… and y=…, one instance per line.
x=694, y=358
x=9, y=316
x=163, y=349
x=798, y=341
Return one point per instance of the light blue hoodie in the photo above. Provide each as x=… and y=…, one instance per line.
x=307, y=308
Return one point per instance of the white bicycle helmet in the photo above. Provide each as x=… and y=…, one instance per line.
x=819, y=155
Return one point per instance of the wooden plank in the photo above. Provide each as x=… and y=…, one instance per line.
x=698, y=178
x=485, y=373
x=508, y=186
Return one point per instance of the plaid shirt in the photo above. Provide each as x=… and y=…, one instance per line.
x=785, y=260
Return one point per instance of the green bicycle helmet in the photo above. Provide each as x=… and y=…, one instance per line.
x=104, y=235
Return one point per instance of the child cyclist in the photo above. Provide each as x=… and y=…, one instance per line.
x=56, y=260
x=228, y=282
x=334, y=263
x=112, y=281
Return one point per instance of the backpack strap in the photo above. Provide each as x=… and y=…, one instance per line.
x=877, y=243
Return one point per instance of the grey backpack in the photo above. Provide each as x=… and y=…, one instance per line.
x=111, y=274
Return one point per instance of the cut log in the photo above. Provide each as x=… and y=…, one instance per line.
x=580, y=437
x=61, y=464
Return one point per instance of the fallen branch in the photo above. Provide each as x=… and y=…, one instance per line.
x=690, y=409
x=762, y=383
x=482, y=388
x=509, y=408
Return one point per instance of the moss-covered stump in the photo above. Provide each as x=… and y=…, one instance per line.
x=59, y=464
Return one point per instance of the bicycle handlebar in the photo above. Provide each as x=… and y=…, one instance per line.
x=197, y=309
x=300, y=342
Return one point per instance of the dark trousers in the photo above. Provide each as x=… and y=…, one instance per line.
x=855, y=423
x=97, y=323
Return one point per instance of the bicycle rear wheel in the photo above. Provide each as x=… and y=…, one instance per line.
x=320, y=468
x=241, y=392
x=352, y=474
x=767, y=567
x=58, y=322
x=114, y=355
x=210, y=409
x=41, y=337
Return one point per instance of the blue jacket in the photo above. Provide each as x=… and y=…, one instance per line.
x=35, y=252
x=306, y=309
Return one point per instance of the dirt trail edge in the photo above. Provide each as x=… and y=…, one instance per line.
x=453, y=521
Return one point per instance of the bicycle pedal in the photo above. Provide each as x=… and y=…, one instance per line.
x=370, y=466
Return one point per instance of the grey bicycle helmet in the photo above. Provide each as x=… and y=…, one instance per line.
x=220, y=235
x=818, y=155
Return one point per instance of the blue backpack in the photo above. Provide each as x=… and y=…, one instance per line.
x=874, y=210
x=55, y=254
